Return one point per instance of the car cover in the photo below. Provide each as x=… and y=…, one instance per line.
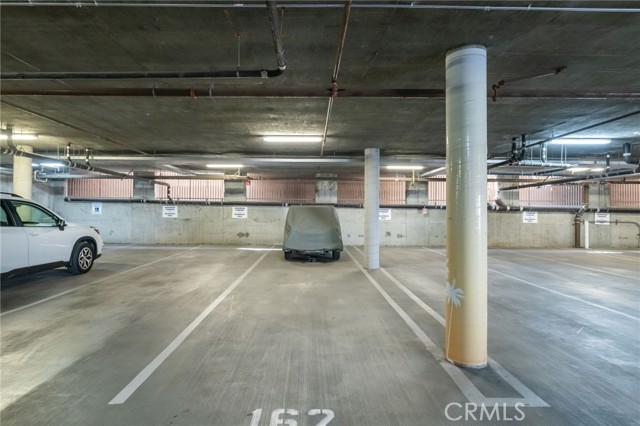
x=312, y=228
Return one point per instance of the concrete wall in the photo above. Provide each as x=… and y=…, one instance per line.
x=213, y=224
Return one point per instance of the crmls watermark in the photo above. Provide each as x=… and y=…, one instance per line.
x=455, y=411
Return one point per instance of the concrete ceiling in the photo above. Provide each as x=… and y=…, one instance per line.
x=390, y=79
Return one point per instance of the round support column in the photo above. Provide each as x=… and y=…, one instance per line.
x=466, y=111
x=23, y=174
x=371, y=207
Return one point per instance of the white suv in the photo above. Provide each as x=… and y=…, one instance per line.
x=33, y=239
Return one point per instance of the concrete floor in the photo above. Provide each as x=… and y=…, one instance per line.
x=205, y=335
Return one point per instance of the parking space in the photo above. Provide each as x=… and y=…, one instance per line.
x=216, y=335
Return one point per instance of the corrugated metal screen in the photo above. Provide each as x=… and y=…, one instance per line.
x=351, y=192
x=557, y=195
x=391, y=192
x=624, y=194
x=281, y=191
x=437, y=191
x=100, y=188
x=190, y=189
x=551, y=195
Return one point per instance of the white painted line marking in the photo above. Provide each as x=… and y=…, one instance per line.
x=565, y=295
x=146, y=372
x=571, y=264
x=94, y=282
x=555, y=291
x=472, y=393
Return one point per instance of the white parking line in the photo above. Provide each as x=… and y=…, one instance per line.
x=470, y=391
x=577, y=299
x=93, y=282
x=146, y=372
x=566, y=295
x=571, y=264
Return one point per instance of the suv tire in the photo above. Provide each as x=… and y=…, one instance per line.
x=82, y=258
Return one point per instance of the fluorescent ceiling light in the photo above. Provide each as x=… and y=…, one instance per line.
x=598, y=169
x=405, y=167
x=292, y=139
x=580, y=141
x=225, y=166
x=578, y=169
x=20, y=136
x=54, y=165
x=197, y=173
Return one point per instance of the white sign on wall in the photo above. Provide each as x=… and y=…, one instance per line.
x=602, y=218
x=169, y=211
x=239, y=212
x=96, y=208
x=529, y=217
x=384, y=214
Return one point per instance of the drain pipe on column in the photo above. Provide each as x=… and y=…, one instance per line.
x=577, y=219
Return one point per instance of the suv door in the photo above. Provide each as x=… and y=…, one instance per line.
x=14, y=244
x=47, y=241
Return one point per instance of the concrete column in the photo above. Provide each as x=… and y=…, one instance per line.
x=466, y=111
x=371, y=207
x=23, y=174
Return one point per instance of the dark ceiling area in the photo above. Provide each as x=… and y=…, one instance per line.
x=176, y=85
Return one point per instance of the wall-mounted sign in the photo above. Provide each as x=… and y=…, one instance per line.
x=384, y=214
x=239, y=212
x=96, y=208
x=529, y=217
x=602, y=218
x=169, y=211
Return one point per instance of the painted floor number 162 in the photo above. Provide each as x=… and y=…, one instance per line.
x=277, y=416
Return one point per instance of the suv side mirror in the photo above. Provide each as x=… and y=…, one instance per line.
x=61, y=224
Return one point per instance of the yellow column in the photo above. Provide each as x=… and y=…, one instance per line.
x=466, y=122
x=22, y=174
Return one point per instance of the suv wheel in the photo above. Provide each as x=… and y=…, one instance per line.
x=336, y=255
x=82, y=258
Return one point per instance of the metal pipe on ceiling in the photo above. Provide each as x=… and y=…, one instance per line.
x=86, y=167
x=132, y=75
x=582, y=129
x=297, y=93
x=327, y=5
x=604, y=176
x=336, y=71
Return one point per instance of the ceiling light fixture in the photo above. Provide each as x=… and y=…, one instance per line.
x=225, y=166
x=578, y=169
x=54, y=165
x=598, y=169
x=580, y=141
x=292, y=139
x=405, y=167
x=20, y=136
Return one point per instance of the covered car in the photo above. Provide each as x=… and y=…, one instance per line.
x=312, y=230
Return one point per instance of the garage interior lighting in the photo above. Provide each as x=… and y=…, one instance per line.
x=598, y=169
x=292, y=139
x=405, y=167
x=580, y=141
x=225, y=166
x=578, y=169
x=54, y=165
x=20, y=136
